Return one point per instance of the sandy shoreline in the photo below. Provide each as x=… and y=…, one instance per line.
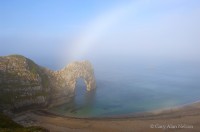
x=184, y=119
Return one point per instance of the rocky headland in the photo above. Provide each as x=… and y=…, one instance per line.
x=25, y=85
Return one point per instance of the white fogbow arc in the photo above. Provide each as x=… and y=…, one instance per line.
x=97, y=28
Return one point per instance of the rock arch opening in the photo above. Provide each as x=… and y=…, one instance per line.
x=80, y=92
x=83, y=97
x=76, y=70
x=66, y=79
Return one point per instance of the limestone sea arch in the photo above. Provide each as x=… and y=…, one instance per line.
x=76, y=70
x=23, y=83
x=64, y=81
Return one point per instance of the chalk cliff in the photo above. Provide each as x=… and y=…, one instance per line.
x=24, y=84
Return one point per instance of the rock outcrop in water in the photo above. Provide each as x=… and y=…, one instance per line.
x=24, y=84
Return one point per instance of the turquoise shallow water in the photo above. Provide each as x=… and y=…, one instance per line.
x=138, y=87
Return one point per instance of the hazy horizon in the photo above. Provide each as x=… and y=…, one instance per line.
x=53, y=33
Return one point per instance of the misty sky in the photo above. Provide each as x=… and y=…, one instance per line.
x=64, y=30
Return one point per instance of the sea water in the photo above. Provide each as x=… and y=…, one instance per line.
x=127, y=88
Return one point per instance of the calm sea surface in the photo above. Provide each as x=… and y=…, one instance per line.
x=125, y=88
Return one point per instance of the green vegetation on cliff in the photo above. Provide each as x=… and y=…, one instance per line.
x=35, y=69
x=8, y=125
x=22, y=82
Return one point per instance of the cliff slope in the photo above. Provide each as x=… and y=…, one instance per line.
x=25, y=84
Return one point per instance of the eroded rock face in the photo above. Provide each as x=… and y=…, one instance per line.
x=64, y=80
x=24, y=83
x=76, y=70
